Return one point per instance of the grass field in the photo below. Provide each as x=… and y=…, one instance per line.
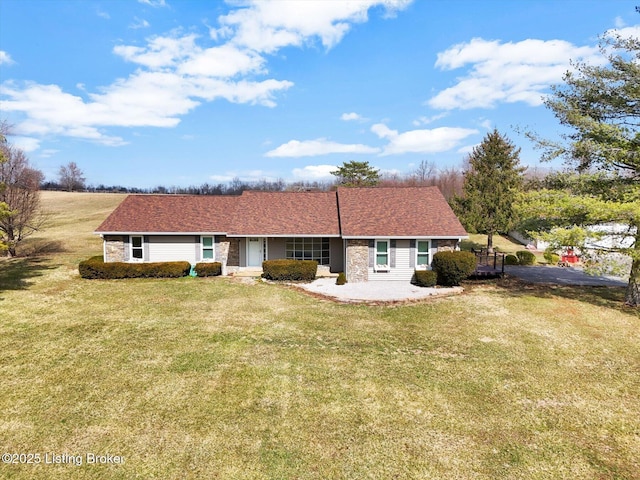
x=215, y=378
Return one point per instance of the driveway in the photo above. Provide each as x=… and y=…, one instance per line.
x=562, y=276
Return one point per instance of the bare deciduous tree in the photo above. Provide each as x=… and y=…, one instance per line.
x=71, y=177
x=20, y=193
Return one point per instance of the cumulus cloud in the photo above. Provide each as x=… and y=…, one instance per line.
x=268, y=26
x=5, y=58
x=177, y=72
x=26, y=144
x=320, y=146
x=510, y=72
x=421, y=141
x=314, y=172
x=348, y=117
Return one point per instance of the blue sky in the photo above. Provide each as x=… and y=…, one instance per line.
x=178, y=92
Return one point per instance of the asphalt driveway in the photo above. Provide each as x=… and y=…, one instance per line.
x=562, y=276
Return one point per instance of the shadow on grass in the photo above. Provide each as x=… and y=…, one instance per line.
x=15, y=273
x=607, y=297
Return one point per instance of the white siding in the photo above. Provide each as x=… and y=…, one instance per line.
x=402, y=271
x=172, y=248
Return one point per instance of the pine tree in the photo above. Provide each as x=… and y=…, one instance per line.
x=491, y=183
x=357, y=174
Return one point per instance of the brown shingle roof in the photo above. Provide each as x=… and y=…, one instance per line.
x=286, y=213
x=171, y=213
x=350, y=212
x=396, y=212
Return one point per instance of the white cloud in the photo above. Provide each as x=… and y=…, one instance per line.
x=154, y=3
x=139, y=23
x=26, y=144
x=347, y=117
x=428, y=120
x=224, y=61
x=625, y=32
x=320, y=146
x=103, y=14
x=314, y=172
x=421, y=141
x=49, y=152
x=5, y=58
x=506, y=72
x=175, y=73
x=268, y=26
x=160, y=52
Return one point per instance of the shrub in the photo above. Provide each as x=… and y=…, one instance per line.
x=453, y=267
x=525, y=257
x=426, y=278
x=551, y=257
x=285, y=269
x=342, y=279
x=511, y=260
x=208, y=269
x=95, y=267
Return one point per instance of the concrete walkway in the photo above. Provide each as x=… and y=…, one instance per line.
x=562, y=276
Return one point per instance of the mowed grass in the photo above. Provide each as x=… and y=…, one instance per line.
x=216, y=378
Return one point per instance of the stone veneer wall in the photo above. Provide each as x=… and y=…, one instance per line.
x=357, y=261
x=447, y=245
x=114, y=248
x=233, y=256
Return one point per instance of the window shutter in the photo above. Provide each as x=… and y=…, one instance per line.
x=434, y=244
x=372, y=253
x=392, y=254
x=412, y=253
x=145, y=248
x=198, y=246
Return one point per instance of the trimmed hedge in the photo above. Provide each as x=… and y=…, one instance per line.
x=511, y=260
x=426, y=278
x=342, y=279
x=96, y=268
x=453, y=267
x=208, y=269
x=525, y=257
x=551, y=257
x=284, y=269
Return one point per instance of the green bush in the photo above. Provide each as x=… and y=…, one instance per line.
x=95, y=267
x=426, y=278
x=525, y=257
x=511, y=260
x=342, y=279
x=453, y=267
x=294, y=270
x=551, y=257
x=208, y=269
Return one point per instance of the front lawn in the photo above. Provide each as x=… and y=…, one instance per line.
x=214, y=378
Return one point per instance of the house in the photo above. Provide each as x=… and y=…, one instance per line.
x=369, y=233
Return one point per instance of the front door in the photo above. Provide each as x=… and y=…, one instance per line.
x=255, y=251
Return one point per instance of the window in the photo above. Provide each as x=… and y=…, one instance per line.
x=136, y=248
x=207, y=248
x=308, y=249
x=423, y=254
x=382, y=255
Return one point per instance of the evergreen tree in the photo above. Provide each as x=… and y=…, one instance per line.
x=600, y=105
x=491, y=183
x=357, y=174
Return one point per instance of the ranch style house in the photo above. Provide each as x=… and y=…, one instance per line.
x=371, y=234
